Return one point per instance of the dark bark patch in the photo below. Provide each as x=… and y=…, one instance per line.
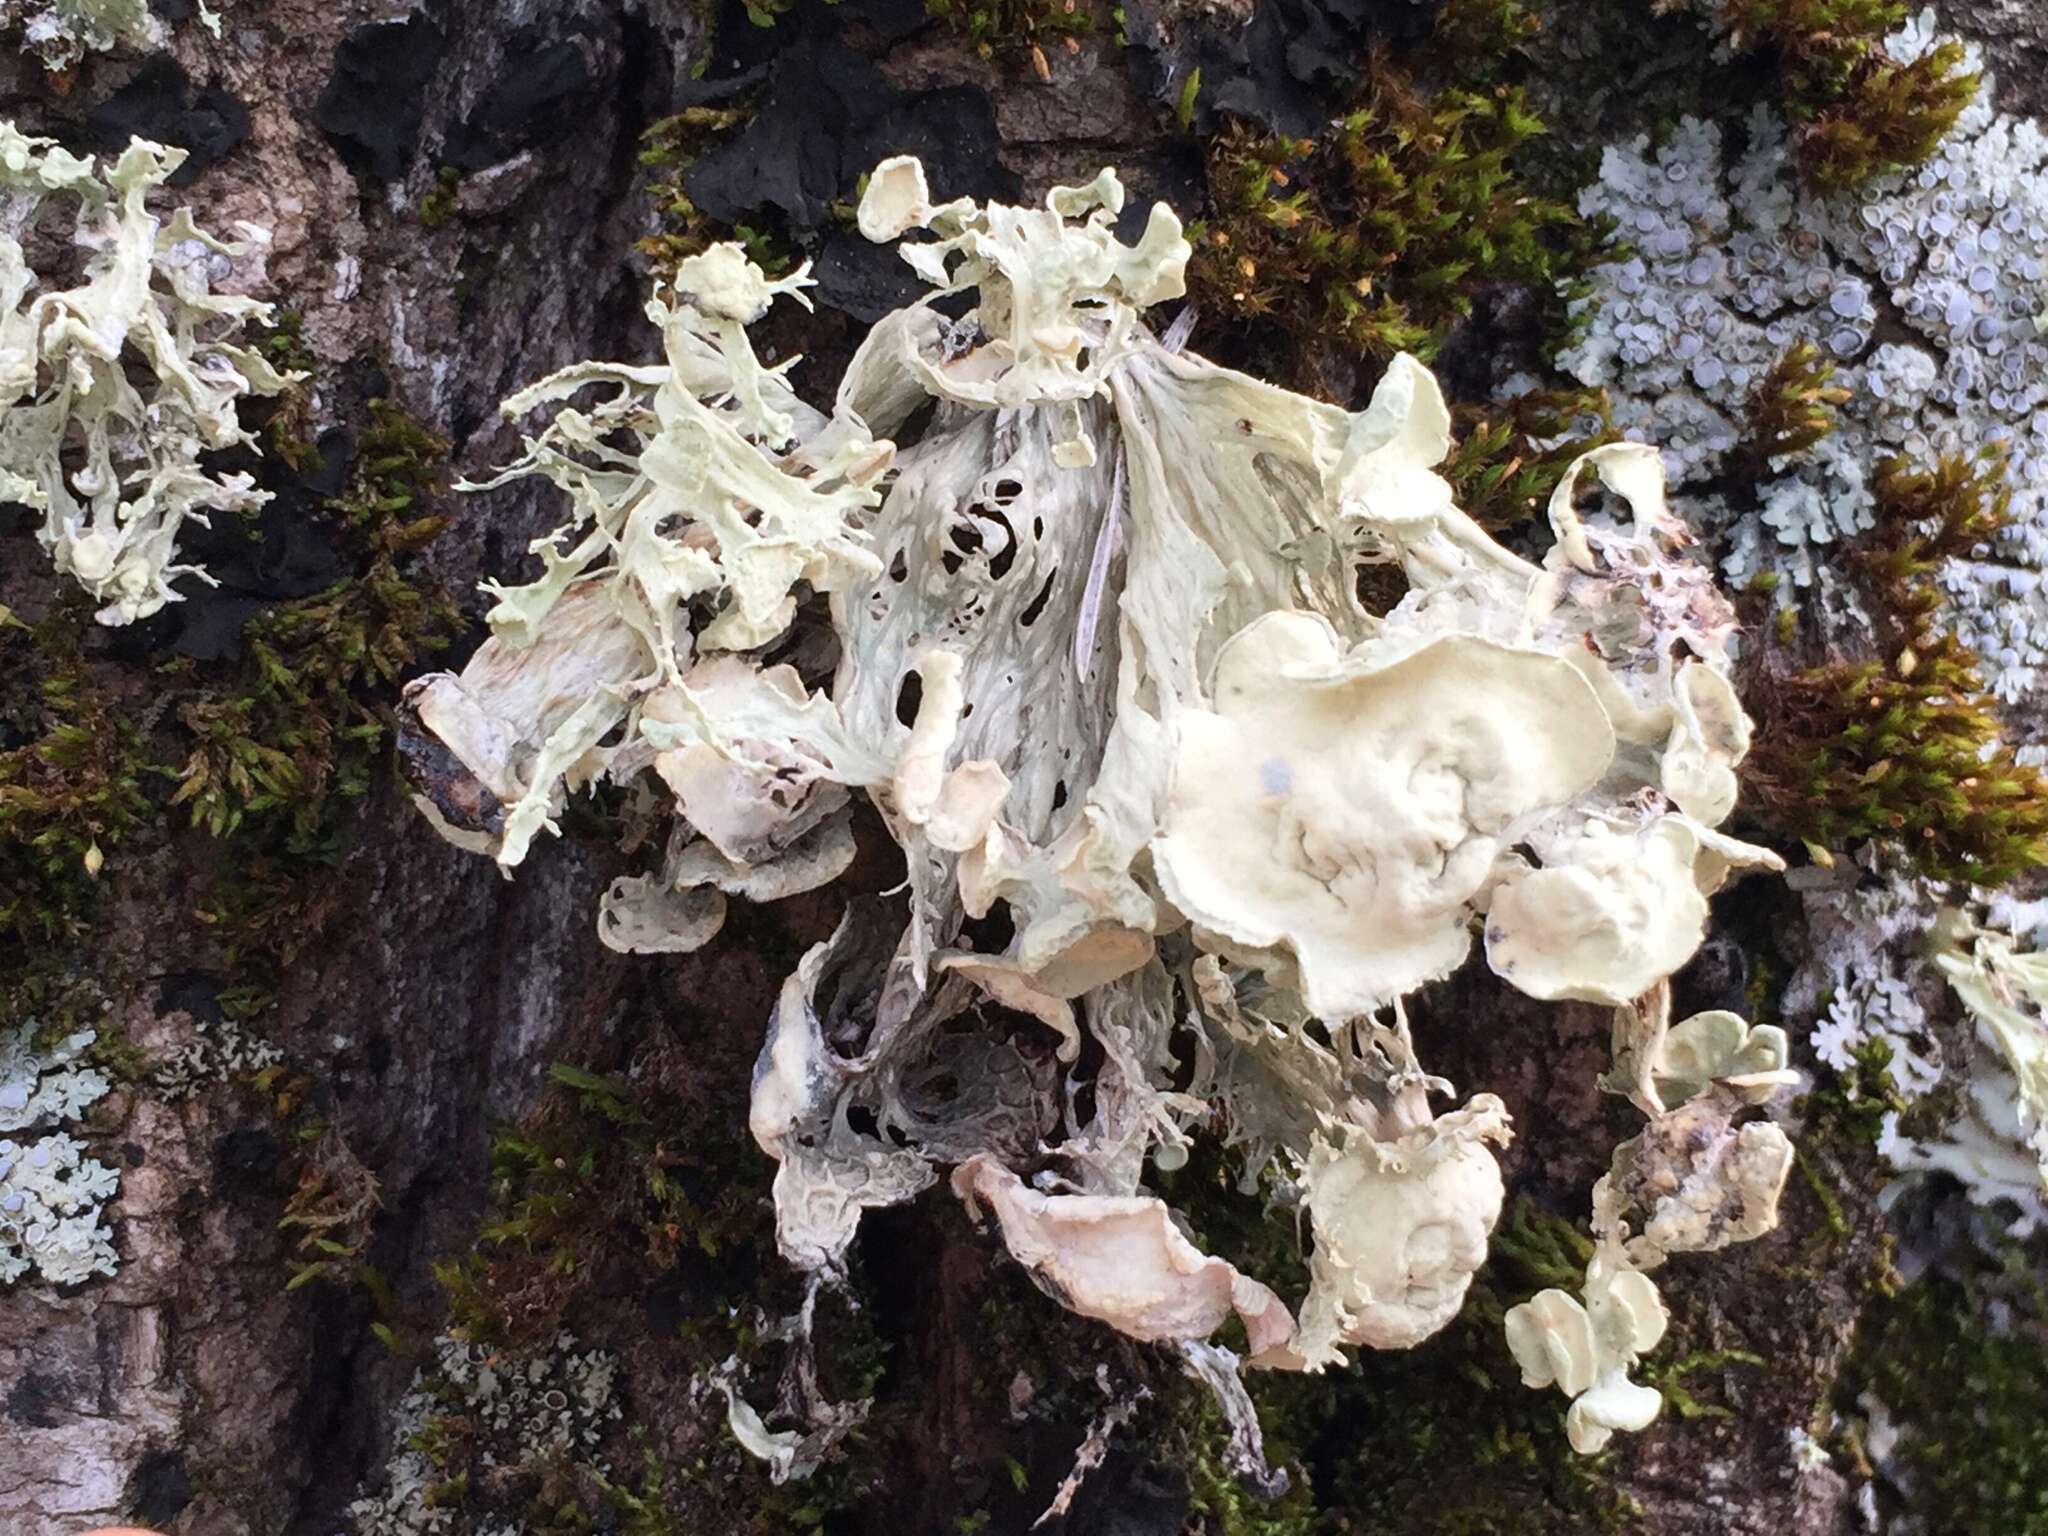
x=371, y=107
x=245, y=1160
x=160, y=1488
x=828, y=116
x=34, y=1400
x=539, y=95
x=1273, y=70
x=191, y=992
x=161, y=105
x=290, y=551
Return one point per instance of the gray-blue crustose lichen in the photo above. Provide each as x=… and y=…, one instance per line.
x=53, y=1195
x=1928, y=289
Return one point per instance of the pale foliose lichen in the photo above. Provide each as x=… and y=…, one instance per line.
x=61, y=32
x=1925, y=289
x=474, y=1411
x=1185, y=821
x=52, y=1195
x=1997, y=1145
x=119, y=369
x=627, y=656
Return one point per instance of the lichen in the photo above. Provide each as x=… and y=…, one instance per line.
x=53, y=1196
x=1157, y=809
x=116, y=388
x=61, y=32
x=481, y=1434
x=1732, y=267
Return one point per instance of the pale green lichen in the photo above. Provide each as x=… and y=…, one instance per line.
x=114, y=389
x=1105, y=672
x=61, y=32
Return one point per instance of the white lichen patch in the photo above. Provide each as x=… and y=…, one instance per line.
x=61, y=32
x=113, y=389
x=621, y=662
x=53, y=1196
x=1692, y=1181
x=1184, y=822
x=1587, y=1348
x=487, y=1410
x=1997, y=1146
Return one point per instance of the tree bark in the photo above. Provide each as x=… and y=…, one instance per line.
x=427, y=997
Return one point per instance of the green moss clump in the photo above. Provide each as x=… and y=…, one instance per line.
x=1855, y=1103
x=616, y=1182
x=291, y=745
x=72, y=770
x=1857, y=111
x=1960, y=1365
x=1791, y=411
x=601, y=1168
x=1906, y=749
x=1511, y=454
x=437, y=207
x=1375, y=236
x=1219, y=1503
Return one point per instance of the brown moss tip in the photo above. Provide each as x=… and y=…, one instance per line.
x=1859, y=111
x=1791, y=410
x=1904, y=747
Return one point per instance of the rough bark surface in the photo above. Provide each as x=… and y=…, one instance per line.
x=192, y=1390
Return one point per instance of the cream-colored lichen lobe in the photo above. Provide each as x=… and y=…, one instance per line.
x=1104, y=672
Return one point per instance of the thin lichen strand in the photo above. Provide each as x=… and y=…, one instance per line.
x=1905, y=748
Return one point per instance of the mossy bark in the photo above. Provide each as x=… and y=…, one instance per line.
x=419, y=1001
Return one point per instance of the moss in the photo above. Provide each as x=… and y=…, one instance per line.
x=1670, y=1374
x=1017, y=28
x=284, y=345
x=1959, y=1363
x=1219, y=1503
x=603, y=1168
x=329, y=1213
x=1854, y=1103
x=668, y=149
x=72, y=776
x=1791, y=410
x=285, y=750
x=1510, y=455
x=1907, y=748
x=437, y=207
x=1857, y=112
x=1375, y=236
